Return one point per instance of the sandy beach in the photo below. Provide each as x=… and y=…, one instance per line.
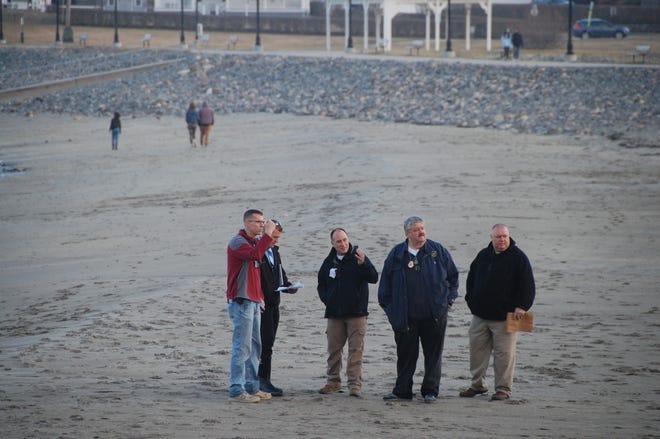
x=113, y=274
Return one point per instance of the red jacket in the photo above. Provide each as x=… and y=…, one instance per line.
x=244, y=256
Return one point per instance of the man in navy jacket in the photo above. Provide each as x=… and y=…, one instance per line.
x=418, y=284
x=500, y=281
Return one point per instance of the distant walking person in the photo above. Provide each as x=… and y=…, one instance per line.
x=192, y=119
x=506, y=40
x=206, y=121
x=517, y=41
x=115, y=129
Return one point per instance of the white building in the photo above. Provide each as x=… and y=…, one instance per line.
x=37, y=5
x=246, y=7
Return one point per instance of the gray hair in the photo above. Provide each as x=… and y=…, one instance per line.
x=497, y=226
x=411, y=221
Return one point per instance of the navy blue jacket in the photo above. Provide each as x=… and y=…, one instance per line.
x=440, y=278
x=499, y=283
x=346, y=294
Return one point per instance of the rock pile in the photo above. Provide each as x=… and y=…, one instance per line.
x=515, y=97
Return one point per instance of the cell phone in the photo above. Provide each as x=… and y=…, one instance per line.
x=355, y=249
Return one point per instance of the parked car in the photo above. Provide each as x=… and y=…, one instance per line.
x=599, y=28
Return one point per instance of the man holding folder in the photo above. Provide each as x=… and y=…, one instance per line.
x=500, y=282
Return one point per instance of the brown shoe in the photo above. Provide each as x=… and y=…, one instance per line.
x=356, y=392
x=500, y=396
x=471, y=393
x=330, y=388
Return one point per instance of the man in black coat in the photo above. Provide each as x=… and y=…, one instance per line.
x=343, y=287
x=500, y=281
x=273, y=277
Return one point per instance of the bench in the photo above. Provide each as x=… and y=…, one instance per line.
x=231, y=42
x=82, y=40
x=380, y=45
x=640, y=51
x=415, y=45
x=146, y=41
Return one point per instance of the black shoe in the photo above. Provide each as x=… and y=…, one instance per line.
x=267, y=386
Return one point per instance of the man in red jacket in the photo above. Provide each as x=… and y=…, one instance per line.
x=245, y=300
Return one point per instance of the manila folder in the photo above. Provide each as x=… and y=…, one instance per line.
x=526, y=324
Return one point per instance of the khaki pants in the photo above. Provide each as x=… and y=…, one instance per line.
x=338, y=331
x=488, y=336
x=204, y=134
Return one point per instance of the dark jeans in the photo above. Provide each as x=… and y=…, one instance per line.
x=431, y=333
x=270, y=319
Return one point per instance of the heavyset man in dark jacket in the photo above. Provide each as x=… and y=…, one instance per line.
x=500, y=281
x=343, y=287
x=418, y=284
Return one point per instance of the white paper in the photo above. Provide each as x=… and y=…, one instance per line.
x=296, y=286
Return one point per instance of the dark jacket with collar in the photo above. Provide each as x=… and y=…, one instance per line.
x=347, y=293
x=499, y=283
x=440, y=278
x=273, y=277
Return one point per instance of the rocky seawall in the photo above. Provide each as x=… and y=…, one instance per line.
x=615, y=101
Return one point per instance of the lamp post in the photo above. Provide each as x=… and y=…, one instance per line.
x=57, y=22
x=116, y=42
x=349, y=44
x=257, y=41
x=196, y=22
x=569, y=46
x=449, y=53
x=183, y=37
x=2, y=35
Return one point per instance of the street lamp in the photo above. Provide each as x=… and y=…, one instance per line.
x=183, y=37
x=448, y=26
x=196, y=22
x=569, y=47
x=57, y=20
x=257, y=41
x=116, y=41
x=349, y=46
x=2, y=36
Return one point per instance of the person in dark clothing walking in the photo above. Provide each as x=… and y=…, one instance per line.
x=418, y=284
x=273, y=277
x=343, y=287
x=500, y=281
x=115, y=130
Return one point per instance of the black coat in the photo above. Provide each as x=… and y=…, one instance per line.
x=272, y=278
x=499, y=283
x=347, y=293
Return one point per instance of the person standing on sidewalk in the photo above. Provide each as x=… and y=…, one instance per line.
x=517, y=41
